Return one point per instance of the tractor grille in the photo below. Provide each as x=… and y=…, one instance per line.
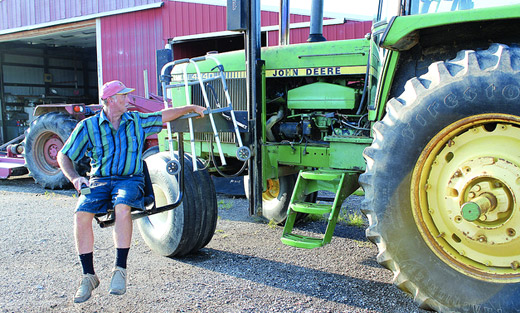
x=237, y=93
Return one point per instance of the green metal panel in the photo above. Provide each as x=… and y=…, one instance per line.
x=321, y=96
x=403, y=30
x=343, y=153
x=315, y=156
x=386, y=78
x=289, y=154
x=348, y=154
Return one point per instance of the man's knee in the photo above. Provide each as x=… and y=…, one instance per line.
x=122, y=209
x=83, y=218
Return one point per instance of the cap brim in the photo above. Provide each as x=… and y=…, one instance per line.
x=125, y=91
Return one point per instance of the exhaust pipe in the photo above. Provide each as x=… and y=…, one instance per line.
x=284, y=23
x=316, y=31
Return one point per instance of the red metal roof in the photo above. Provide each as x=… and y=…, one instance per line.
x=25, y=13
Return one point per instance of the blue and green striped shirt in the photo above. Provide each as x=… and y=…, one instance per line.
x=112, y=152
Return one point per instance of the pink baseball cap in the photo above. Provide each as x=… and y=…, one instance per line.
x=114, y=87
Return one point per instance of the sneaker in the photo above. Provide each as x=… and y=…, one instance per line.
x=88, y=283
x=118, y=282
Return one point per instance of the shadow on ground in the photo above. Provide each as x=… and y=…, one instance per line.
x=297, y=279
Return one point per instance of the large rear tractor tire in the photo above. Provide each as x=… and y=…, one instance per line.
x=188, y=227
x=442, y=184
x=43, y=140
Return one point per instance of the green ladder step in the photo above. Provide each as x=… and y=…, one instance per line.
x=300, y=241
x=316, y=175
x=311, y=208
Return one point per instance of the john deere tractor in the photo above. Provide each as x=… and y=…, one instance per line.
x=423, y=114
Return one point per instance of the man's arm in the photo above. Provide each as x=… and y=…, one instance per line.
x=171, y=114
x=67, y=167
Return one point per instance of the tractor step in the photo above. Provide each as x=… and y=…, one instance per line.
x=300, y=241
x=341, y=183
x=316, y=175
x=311, y=208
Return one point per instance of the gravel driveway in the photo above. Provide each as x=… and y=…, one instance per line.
x=245, y=268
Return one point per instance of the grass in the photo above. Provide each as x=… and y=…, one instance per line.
x=221, y=233
x=352, y=219
x=315, y=218
x=49, y=194
x=349, y=218
x=363, y=244
x=359, y=192
x=272, y=224
x=224, y=205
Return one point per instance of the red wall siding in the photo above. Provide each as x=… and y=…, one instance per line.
x=183, y=18
x=128, y=43
x=349, y=30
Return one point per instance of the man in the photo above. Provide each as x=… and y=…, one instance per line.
x=114, y=140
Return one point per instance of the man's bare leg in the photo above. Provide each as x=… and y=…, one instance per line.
x=122, y=240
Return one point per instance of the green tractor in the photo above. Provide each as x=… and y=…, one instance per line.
x=423, y=114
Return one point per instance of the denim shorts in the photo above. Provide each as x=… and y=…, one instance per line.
x=107, y=192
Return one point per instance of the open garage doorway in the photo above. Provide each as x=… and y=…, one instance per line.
x=45, y=66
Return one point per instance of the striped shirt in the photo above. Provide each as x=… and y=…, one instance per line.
x=112, y=152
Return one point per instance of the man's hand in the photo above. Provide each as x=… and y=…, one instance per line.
x=67, y=167
x=199, y=110
x=79, y=181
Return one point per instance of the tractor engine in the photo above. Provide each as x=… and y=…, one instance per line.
x=311, y=112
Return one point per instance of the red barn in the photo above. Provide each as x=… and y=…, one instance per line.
x=62, y=51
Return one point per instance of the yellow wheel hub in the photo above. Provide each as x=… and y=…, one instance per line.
x=273, y=190
x=465, y=193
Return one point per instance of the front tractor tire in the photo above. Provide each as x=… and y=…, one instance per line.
x=43, y=140
x=276, y=198
x=442, y=184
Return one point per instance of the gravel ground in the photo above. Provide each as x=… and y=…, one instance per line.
x=245, y=268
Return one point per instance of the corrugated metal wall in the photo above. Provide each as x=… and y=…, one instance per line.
x=20, y=13
x=128, y=45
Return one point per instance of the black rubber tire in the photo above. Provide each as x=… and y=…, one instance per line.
x=150, y=151
x=55, y=128
x=170, y=233
x=275, y=209
x=207, y=204
x=449, y=92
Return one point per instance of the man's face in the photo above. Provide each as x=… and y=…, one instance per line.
x=120, y=103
